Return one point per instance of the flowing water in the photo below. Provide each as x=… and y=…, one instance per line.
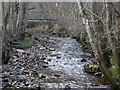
x=56, y=63
x=67, y=59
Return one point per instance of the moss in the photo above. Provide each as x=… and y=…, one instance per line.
x=25, y=43
x=83, y=39
x=10, y=52
x=5, y=19
x=112, y=61
x=41, y=27
x=55, y=31
x=114, y=71
x=114, y=68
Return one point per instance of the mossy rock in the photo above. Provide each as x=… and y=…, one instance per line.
x=91, y=68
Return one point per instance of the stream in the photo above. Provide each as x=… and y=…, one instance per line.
x=52, y=62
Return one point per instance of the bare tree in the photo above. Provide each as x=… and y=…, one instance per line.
x=1, y=24
x=14, y=25
x=5, y=38
x=22, y=19
x=97, y=38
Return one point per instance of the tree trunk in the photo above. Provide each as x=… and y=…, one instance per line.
x=4, y=36
x=1, y=24
x=14, y=19
x=112, y=34
x=22, y=20
x=90, y=28
x=107, y=28
x=5, y=51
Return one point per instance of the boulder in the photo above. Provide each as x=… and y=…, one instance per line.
x=91, y=68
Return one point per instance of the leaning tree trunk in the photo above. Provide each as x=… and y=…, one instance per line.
x=107, y=28
x=89, y=27
x=118, y=38
x=112, y=36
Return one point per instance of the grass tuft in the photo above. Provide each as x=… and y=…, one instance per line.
x=25, y=43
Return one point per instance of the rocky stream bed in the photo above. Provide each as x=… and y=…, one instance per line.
x=52, y=62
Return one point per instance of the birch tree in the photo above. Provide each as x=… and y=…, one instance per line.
x=111, y=28
x=94, y=37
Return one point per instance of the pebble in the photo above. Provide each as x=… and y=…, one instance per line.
x=5, y=80
x=42, y=76
x=36, y=38
x=54, y=53
x=56, y=75
x=58, y=57
x=26, y=84
x=20, y=51
x=49, y=60
x=98, y=74
x=67, y=87
x=45, y=62
x=45, y=66
x=52, y=49
x=35, y=73
x=25, y=72
x=24, y=68
x=83, y=60
x=43, y=58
